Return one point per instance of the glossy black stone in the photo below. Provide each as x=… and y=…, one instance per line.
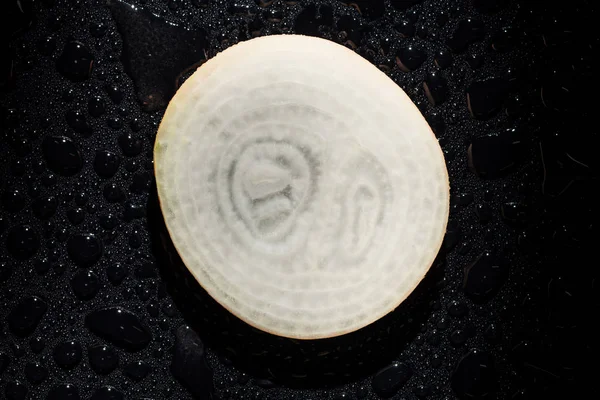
x=103, y=359
x=107, y=393
x=388, y=381
x=26, y=315
x=85, y=284
x=120, y=327
x=62, y=155
x=137, y=370
x=189, y=364
x=65, y=391
x=475, y=376
x=76, y=61
x=84, y=249
x=37, y=344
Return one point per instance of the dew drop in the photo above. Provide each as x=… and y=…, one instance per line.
x=76, y=61
x=103, y=359
x=22, y=242
x=62, y=155
x=85, y=284
x=84, y=249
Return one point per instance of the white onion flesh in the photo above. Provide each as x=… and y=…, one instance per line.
x=300, y=186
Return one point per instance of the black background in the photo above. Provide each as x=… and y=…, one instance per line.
x=94, y=303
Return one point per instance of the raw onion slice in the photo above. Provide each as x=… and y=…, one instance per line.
x=300, y=186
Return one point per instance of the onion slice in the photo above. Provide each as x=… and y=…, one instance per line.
x=300, y=186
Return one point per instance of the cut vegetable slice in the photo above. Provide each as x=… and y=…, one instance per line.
x=300, y=186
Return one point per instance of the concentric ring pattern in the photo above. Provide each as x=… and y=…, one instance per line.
x=300, y=185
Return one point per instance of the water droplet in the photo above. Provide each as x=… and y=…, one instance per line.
x=64, y=391
x=141, y=182
x=133, y=211
x=107, y=393
x=486, y=98
x=403, y=5
x=388, y=381
x=62, y=155
x=489, y=6
x=147, y=270
x=135, y=238
x=189, y=363
x=145, y=33
x=113, y=192
x=443, y=59
x=76, y=215
x=96, y=106
x=504, y=40
x=108, y=221
x=85, y=284
x=37, y=344
x=119, y=326
x=457, y=308
x=4, y=361
x=114, y=123
x=76, y=61
x=106, y=163
x=307, y=22
x=468, y=31
x=42, y=266
x=78, y=122
x=483, y=212
x=114, y=93
x=514, y=213
x=475, y=375
x=98, y=29
x=15, y=390
x=137, y=370
x=495, y=155
x=67, y=354
x=130, y=144
x=436, y=88
x=84, y=249
x=103, y=359
x=44, y=207
x=406, y=28
x=410, y=58
x=22, y=242
x=13, y=200
x=35, y=372
x=25, y=316
x=458, y=337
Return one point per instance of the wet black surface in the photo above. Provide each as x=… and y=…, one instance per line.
x=94, y=303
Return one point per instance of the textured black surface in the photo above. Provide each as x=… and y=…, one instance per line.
x=94, y=304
